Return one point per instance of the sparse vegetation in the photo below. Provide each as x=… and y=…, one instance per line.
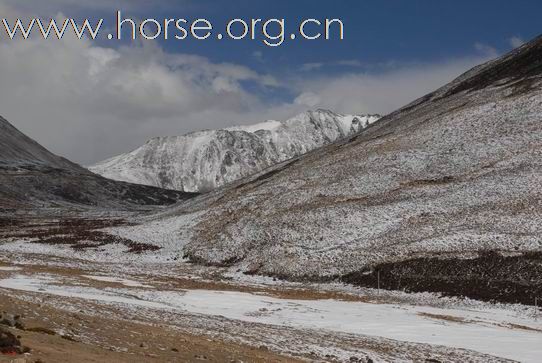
x=79, y=234
x=491, y=276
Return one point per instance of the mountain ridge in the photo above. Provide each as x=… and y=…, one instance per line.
x=453, y=175
x=205, y=160
x=32, y=177
x=18, y=148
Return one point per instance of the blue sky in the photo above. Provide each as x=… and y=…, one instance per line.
x=108, y=98
x=377, y=32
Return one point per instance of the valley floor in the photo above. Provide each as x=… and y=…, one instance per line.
x=177, y=312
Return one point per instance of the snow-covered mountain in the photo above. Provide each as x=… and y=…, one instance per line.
x=204, y=160
x=444, y=194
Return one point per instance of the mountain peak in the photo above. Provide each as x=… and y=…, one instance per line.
x=204, y=160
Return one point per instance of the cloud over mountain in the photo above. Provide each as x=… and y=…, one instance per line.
x=111, y=99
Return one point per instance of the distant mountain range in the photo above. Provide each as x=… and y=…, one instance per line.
x=204, y=160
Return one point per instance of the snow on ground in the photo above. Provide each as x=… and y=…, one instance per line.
x=269, y=125
x=112, y=253
x=3, y=268
x=125, y=282
x=487, y=331
x=170, y=234
x=43, y=284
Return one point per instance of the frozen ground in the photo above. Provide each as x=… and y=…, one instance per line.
x=125, y=282
x=328, y=321
x=500, y=331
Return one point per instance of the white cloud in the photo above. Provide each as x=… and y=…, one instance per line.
x=486, y=50
x=516, y=42
x=88, y=102
x=349, y=63
x=307, y=67
x=308, y=99
x=382, y=92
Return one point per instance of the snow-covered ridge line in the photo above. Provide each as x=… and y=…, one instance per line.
x=204, y=160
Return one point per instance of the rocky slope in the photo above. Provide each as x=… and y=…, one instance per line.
x=205, y=160
x=453, y=175
x=32, y=176
x=19, y=150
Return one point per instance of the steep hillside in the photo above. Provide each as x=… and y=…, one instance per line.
x=205, y=160
x=31, y=176
x=18, y=149
x=456, y=174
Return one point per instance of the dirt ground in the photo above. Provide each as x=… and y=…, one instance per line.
x=120, y=340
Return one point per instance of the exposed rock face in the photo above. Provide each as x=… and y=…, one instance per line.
x=32, y=176
x=205, y=160
x=456, y=172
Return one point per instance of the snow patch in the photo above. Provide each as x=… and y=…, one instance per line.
x=125, y=282
x=3, y=268
x=482, y=331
